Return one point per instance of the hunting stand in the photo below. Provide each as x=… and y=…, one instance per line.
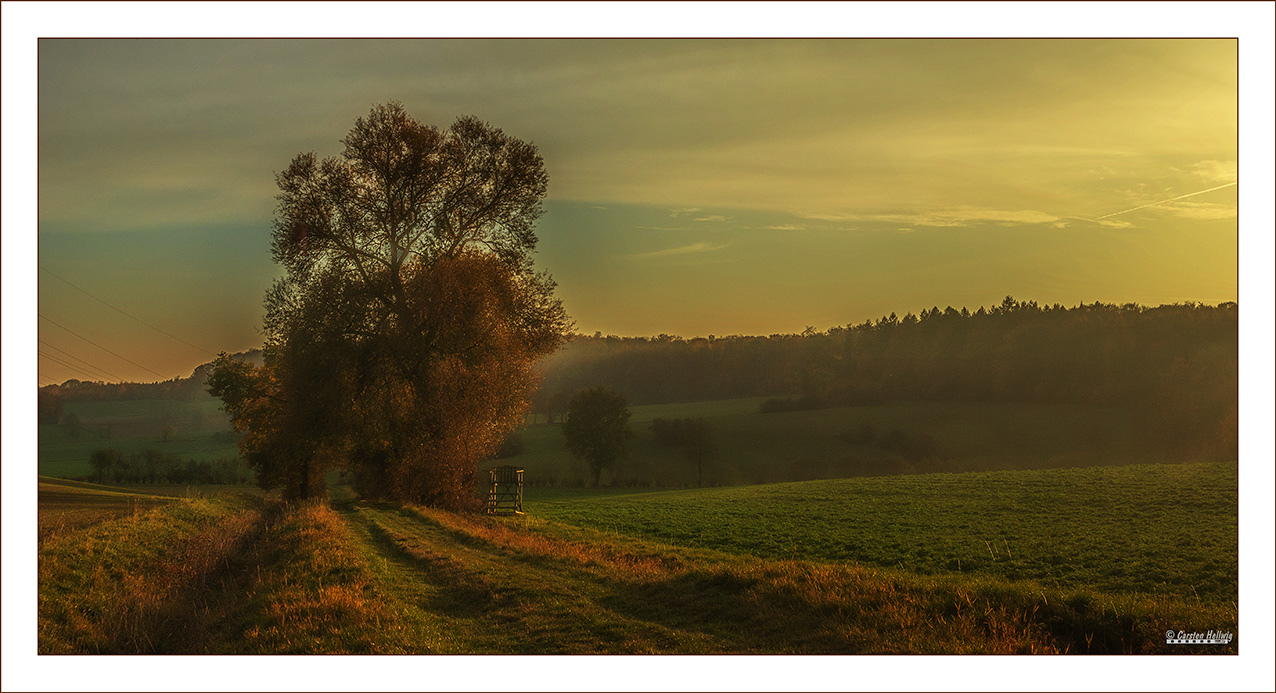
x=505, y=495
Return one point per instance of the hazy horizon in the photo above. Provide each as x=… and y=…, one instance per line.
x=696, y=186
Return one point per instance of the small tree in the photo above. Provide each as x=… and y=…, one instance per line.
x=103, y=461
x=597, y=428
x=694, y=436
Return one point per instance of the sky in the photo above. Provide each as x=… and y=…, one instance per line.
x=697, y=187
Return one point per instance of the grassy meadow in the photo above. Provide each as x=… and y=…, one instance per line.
x=196, y=430
x=1155, y=529
x=65, y=506
x=1025, y=529
x=595, y=572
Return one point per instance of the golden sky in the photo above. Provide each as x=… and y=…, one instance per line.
x=712, y=186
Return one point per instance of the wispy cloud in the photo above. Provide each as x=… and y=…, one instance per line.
x=1200, y=210
x=680, y=211
x=820, y=216
x=1167, y=201
x=786, y=227
x=1215, y=171
x=967, y=216
x=955, y=216
x=1113, y=223
x=713, y=217
x=701, y=247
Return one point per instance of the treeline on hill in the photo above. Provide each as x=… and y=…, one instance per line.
x=193, y=387
x=1176, y=365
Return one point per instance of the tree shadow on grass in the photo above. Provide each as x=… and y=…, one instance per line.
x=456, y=592
x=744, y=613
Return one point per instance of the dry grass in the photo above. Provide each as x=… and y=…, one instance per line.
x=241, y=576
x=131, y=585
x=790, y=606
x=312, y=592
x=65, y=509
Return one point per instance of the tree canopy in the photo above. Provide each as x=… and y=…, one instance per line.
x=400, y=342
x=597, y=428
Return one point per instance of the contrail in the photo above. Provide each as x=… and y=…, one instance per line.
x=1153, y=204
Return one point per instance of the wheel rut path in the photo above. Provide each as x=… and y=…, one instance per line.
x=474, y=585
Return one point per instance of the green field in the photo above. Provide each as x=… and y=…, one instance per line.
x=196, y=430
x=1026, y=529
x=1167, y=529
x=1073, y=561
x=755, y=448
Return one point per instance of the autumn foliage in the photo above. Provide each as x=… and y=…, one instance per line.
x=400, y=343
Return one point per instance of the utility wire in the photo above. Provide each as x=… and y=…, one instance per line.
x=112, y=353
x=121, y=312
x=77, y=358
x=74, y=368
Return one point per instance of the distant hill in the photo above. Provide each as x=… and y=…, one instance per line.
x=188, y=388
x=1175, y=365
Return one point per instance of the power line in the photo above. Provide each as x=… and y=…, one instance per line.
x=77, y=358
x=121, y=312
x=112, y=353
x=74, y=368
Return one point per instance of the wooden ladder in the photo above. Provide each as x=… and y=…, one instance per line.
x=505, y=494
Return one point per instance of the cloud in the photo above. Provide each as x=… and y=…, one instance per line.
x=683, y=210
x=946, y=217
x=965, y=216
x=701, y=247
x=713, y=217
x=1114, y=224
x=1200, y=210
x=818, y=216
x=1168, y=203
x=786, y=227
x=1215, y=171
x=962, y=216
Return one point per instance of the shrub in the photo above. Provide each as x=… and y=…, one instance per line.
x=103, y=461
x=154, y=467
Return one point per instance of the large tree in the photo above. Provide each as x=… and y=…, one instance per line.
x=400, y=342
